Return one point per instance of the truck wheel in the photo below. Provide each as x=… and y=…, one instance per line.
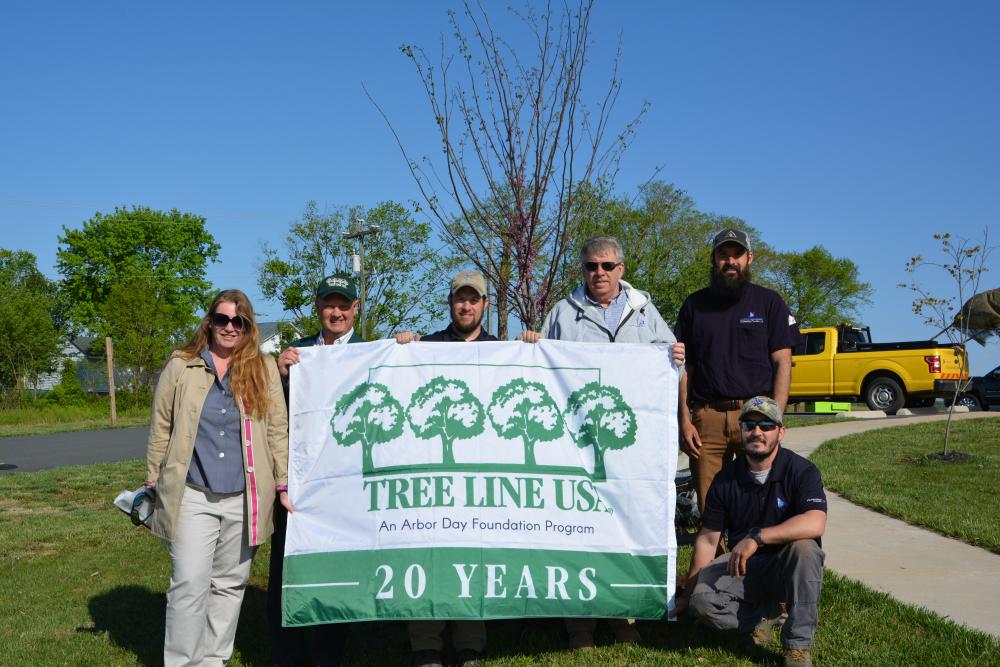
x=970, y=401
x=884, y=393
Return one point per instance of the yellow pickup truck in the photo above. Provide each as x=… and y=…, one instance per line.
x=843, y=363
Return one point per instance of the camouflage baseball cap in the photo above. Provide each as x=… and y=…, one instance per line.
x=469, y=279
x=762, y=405
x=339, y=283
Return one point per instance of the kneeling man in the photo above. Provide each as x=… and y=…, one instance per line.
x=771, y=502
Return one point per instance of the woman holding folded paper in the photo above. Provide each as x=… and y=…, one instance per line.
x=218, y=453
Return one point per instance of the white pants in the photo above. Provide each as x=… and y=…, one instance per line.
x=211, y=566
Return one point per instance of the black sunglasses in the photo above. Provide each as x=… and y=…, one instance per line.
x=765, y=425
x=220, y=321
x=607, y=266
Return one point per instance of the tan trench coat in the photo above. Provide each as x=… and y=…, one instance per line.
x=180, y=395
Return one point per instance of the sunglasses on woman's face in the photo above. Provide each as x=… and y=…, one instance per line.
x=220, y=321
x=607, y=266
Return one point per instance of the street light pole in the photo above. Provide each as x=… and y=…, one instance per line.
x=360, y=235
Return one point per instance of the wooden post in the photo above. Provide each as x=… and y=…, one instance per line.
x=110, y=347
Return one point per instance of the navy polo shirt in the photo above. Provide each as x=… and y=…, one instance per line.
x=449, y=335
x=728, y=342
x=737, y=503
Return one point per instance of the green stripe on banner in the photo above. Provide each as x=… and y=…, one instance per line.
x=463, y=583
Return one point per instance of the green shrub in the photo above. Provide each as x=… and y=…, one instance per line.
x=68, y=391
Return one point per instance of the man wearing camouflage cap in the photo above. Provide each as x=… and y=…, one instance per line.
x=772, y=503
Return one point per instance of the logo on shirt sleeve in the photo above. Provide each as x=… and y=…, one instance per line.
x=791, y=320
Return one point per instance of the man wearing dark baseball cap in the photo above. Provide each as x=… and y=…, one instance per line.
x=739, y=339
x=773, y=505
x=336, y=306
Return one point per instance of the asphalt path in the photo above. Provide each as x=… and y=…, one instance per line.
x=41, y=452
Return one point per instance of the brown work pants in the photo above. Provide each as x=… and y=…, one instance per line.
x=721, y=441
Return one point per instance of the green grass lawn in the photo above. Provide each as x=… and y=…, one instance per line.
x=40, y=420
x=84, y=587
x=887, y=470
x=791, y=419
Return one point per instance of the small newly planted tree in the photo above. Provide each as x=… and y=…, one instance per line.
x=526, y=410
x=445, y=408
x=964, y=262
x=597, y=416
x=367, y=414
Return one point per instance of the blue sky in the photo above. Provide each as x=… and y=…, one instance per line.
x=862, y=126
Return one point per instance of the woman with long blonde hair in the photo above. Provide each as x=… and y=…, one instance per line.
x=217, y=455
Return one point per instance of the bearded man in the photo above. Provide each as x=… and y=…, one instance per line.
x=467, y=301
x=772, y=507
x=739, y=338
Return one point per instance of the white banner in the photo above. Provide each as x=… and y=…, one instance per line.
x=484, y=480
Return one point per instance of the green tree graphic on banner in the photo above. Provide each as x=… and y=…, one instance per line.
x=525, y=409
x=367, y=414
x=445, y=408
x=597, y=416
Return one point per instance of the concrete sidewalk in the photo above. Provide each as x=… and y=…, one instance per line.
x=913, y=565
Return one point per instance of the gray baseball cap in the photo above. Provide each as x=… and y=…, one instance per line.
x=736, y=236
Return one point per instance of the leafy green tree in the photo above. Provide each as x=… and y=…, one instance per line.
x=161, y=255
x=526, y=410
x=402, y=269
x=68, y=391
x=820, y=289
x=597, y=416
x=172, y=248
x=145, y=328
x=445, y=408
x=368, y=414
x=29, y=338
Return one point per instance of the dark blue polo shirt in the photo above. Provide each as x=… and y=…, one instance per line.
x=728, y=342
x=737, y=503
x=449, y=335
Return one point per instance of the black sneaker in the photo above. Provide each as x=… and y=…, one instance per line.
x=427, y=658
x=467, y=658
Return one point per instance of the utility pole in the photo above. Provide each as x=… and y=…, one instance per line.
x=360, y=235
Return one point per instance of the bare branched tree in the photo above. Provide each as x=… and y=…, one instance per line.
x=964, y=261
x=518, y=142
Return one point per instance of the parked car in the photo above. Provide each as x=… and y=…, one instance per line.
x=843, y=363
x=982, y=392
